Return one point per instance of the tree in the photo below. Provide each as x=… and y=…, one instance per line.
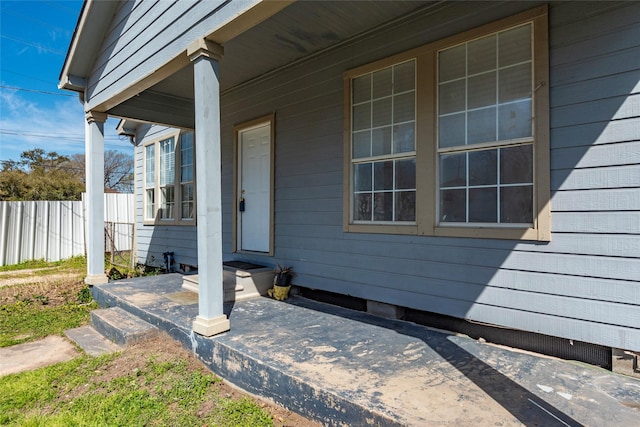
x=118, y=170
x=39, y=175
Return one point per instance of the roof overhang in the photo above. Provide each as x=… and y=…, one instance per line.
x=258, y=41
x=92, y=24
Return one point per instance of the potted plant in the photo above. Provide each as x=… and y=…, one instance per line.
x=281, y=283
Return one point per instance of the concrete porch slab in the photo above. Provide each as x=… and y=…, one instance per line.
x=343, y=367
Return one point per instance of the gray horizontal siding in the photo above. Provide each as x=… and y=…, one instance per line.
x=583, y=285
x=146, y=35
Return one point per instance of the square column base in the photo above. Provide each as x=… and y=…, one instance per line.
x=211, y=327
x=96, y=279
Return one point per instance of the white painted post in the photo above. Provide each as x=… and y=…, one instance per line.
x=94, y=172
x=211, y=319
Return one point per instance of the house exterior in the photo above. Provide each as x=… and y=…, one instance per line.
x=477, y=160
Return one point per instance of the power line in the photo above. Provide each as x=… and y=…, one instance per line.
x=72, y=139
x=70, y=136
x=29, y=77
x=35, y=91
x=32, y=19
x=59, y=6
x=32, y=44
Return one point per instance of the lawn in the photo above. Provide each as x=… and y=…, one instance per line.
x=152, y=383
x=40, y=298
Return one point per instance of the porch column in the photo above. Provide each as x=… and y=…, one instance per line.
x=211, y=319
x=94, y=201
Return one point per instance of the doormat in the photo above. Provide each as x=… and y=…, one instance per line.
x=241, y=265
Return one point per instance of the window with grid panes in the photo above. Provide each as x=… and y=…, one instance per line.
x=170, y=180
x=452, y=138
x=485, y=134
x=383, y=145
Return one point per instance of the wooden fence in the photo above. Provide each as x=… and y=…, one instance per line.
x=55, y=230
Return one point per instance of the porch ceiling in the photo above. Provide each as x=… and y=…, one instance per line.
x=297, y=31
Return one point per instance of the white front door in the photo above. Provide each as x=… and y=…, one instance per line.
x=254, y=188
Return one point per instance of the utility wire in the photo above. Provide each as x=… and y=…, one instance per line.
x=29, y=77
x=70, y=137
x=32, y=19
x=35, y=91
x=36, y=45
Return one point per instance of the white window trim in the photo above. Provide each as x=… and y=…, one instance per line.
x=177, y=185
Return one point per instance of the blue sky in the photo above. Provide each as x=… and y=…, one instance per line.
x=34, y=38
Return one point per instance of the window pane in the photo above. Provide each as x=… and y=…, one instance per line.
x=383, y=206
x=452, y=205
x=406, y=174
x=186, y=157
x=187, y=192
x=483, y=205
x=168, y=201
x=362, y=89
x=362, y=177
x=516, y=204
x=167, y=162
x=383, y=176
x=382, y=112
x=452, y=97
x=362, y=207
x=150, y=166
x=404, y=77
x=481, y=126
x=516, y=165
x=514, y=45
x=483, y=167
x=453, y=170
x=381, y=141
x=383, y=123
x=151, y=205
x=404, y=139
x=361, y=144
x=406, y=206
x=362, y=116
x=482, y=90
x=481, y=55
x=514, y=120
x=451, y=130
x=382, y=83
x=451, y=63
x=404, y=107
x=187, y=201
x=515, y=83
x=187, y=210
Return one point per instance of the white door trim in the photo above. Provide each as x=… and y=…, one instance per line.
x=237, y=178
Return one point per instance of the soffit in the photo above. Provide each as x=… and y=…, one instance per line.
x=299, y=30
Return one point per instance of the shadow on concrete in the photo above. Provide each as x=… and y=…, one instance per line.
x=528, y=408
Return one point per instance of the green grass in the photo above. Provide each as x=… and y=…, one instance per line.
x=74, y=263
x=157, y=393
x=23, y=322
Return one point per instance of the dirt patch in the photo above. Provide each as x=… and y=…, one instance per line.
x=53, y=291
x=165, y=349
x=37, y=275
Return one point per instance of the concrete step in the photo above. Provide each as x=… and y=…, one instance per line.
x=122, y=327
x=91, y=341
x=238, y=284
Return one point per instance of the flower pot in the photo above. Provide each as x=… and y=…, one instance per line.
x=279, y=293
x=282, y=279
